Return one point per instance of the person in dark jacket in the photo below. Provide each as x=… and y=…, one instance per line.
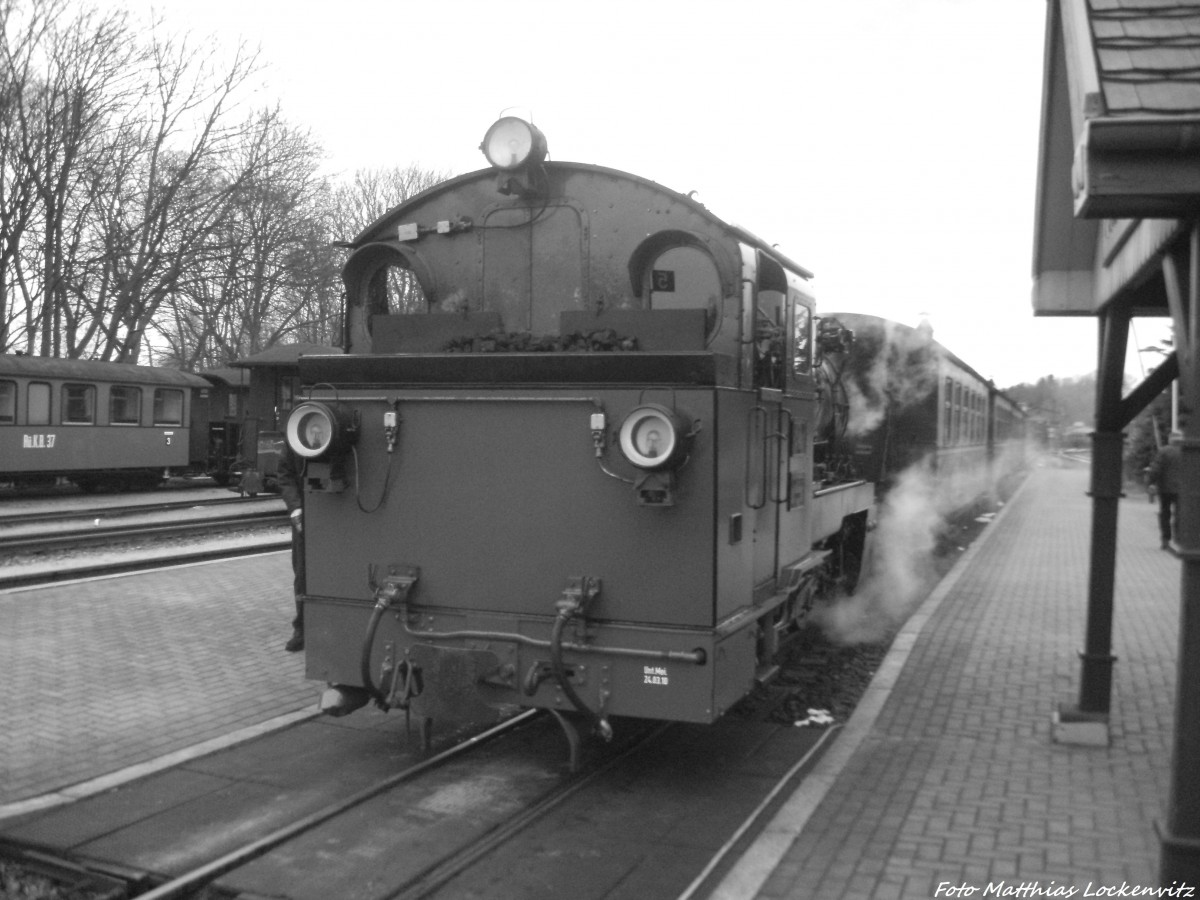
x=289, y=476
x=1166, y=477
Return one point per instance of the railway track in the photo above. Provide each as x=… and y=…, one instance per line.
x=186, y=884
x=101, y=535
x=89, y=512
x=429, y=869
x=48, y=546
x=493, y=813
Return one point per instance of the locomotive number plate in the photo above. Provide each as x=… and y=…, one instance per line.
x=663, y=280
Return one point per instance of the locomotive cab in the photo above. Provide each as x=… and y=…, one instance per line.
x=581, y=468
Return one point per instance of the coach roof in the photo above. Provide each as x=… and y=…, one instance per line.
x=92, y=370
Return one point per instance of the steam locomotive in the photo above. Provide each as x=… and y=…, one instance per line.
x=910, y=403
x=574, y=454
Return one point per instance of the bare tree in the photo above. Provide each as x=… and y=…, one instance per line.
x=22, y=32
x=164, y=218
x=371, y=192
x=257, y=281
x=368, y=195
x=114, y=169
x=135, y=199
x=64, y=125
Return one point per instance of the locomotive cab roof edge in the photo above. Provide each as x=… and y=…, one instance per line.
x=375, y=231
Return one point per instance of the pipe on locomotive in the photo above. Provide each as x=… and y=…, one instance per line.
x=570, y=606
x=393, y=593
x=696, y=657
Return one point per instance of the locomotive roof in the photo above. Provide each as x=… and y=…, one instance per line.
x=395, y=215
x=283, y=355
x=94, y=370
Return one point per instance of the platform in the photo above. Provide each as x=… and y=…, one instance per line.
x=947, y=781
x=113, y=678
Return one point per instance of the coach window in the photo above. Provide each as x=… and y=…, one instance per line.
x=37, y=403
x=79, y=404
x=958, y=412
x=168, y=406
x=124, y=405
x=8, y=402
x=948, y=412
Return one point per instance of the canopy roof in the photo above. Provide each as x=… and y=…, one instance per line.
x=1120, y=137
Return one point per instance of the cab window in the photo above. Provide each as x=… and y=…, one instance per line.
x=801, y=341
x=684, y=278
x=770, y=339
x=394, y=290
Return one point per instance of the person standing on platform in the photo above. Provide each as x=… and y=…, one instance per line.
x=1165, y=476
x=291, y=489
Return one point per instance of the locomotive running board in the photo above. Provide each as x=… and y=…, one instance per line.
x=792, y=578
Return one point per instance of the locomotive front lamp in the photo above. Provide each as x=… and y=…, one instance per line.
x=513, y=143
x=316, y=430
x=653, y=437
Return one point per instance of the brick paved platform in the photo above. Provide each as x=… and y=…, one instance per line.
x=947, y=775
x=111, y=678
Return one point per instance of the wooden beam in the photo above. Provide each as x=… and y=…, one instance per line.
x=1154, y=384
x=1112, y=184
x=1184, y=313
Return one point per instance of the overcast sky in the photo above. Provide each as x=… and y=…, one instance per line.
x=890, y=146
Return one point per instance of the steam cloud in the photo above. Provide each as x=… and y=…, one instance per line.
x=893, y=366
x=899, y=569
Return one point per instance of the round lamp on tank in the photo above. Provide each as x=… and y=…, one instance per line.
x=316, y=430
x=654, y=437
x=513, y=143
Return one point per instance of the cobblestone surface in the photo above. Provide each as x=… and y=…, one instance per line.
x=959, y=781
x=104, y=674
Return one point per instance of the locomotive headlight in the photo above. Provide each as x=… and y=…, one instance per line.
x=512, y=143
x=654, y=437
x=315, y=430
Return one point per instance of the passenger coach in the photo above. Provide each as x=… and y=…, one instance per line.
x=918, y=404
x=98, y=424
